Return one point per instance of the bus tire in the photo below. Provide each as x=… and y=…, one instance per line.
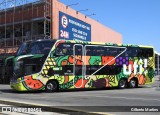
x=51, y=86
x=133, y=83
x=122, y=83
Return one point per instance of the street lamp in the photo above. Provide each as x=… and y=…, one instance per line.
x=72, y=5
x=82, y=10
x=90, y=15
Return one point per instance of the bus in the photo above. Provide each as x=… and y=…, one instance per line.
x=54, y=65
x=6, y=64
x=6, y=69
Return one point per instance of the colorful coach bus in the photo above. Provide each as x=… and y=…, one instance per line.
x=54, y=65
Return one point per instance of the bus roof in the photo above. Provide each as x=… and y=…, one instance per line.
x=88, y=42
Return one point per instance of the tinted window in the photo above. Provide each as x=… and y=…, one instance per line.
x=64, y=49
x=23, y=49
x=89, y=51
x=146, y=52
x=138, y=52
x=132, y=52
x=107, y=70
x=40, y=48
x=78, y=50
x=103, y=51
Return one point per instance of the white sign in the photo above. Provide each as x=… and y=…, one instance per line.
x=64, y=21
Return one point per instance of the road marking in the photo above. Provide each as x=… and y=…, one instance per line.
x=101, y=113
x=130, y=98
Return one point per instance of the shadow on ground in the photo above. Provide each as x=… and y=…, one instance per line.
x=64, y=91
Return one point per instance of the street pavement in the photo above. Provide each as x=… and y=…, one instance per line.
x=104, y=101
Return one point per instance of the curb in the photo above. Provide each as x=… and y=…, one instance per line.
x=63, y=110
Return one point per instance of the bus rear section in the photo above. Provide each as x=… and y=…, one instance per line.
x=74, y=64
x=1, y=70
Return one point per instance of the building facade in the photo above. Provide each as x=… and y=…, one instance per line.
x=43, y=19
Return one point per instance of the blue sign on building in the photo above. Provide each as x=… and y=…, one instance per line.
x=71, y=28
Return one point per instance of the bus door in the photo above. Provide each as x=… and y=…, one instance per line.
x=78, y=67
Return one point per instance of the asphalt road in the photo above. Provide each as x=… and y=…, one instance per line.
x=90, y=100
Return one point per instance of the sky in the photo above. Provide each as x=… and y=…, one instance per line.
x=137, y=20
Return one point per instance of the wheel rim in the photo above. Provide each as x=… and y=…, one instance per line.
x=50, y=86
x=122, y=84
x=133, y=83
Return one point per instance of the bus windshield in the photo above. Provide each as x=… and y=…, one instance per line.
x=30, y=65
x=23, y=48
x=38, y=47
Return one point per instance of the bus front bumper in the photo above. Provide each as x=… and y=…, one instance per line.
x=17, y=86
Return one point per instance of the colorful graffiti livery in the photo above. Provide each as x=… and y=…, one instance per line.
x=77, y=64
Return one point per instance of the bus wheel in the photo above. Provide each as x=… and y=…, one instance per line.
x=133, y=83
x=122, y=83
x=51, y=86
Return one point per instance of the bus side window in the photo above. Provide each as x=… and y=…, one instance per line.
x=107, y=51
x=94, y=50
x=109, y=70
x=64, y=49
x=147, y=52
x=139, y=54
x=59, y=52
x=94, y=53
x=134, y=51
x=114, y=51
x=70, y=51
x=150, y=52
x=89, y=51
x=78, y=50
x=99, y=51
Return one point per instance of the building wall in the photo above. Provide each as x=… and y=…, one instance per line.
x=99, y=32
x=28, y=22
